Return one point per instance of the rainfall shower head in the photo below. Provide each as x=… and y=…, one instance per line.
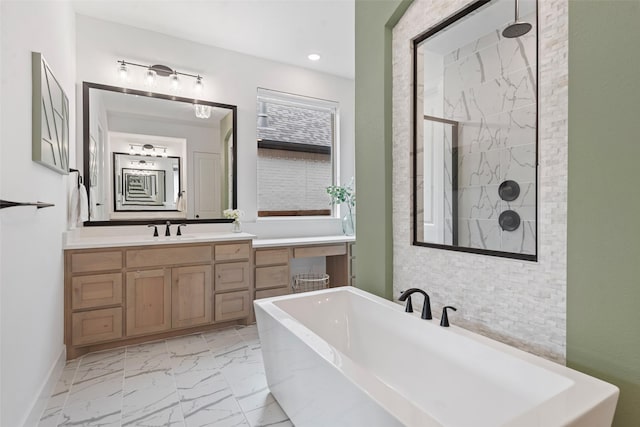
x=517, y=29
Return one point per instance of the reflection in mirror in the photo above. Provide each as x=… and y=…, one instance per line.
x=475, y=136
x=156, y=157
x=144, y=184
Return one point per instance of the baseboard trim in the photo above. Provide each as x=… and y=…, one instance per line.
x=47, y=388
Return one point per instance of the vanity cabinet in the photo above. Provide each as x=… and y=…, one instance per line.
x=273, y=269
x=126, y=295
x=232, y=281
x=272, y=272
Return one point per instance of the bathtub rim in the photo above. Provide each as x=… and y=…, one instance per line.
x=586, y=393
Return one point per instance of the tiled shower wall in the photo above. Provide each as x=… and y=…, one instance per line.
x=490, y=89
x=519, y=302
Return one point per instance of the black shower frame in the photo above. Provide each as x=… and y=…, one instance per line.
x=470, y=8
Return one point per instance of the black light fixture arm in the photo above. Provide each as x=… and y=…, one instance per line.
x=160, y=68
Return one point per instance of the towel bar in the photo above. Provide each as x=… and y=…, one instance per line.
x=39, y=205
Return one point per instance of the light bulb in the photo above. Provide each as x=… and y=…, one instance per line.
x=313, y=57
x=199, y=85
x=174, y=81
x=123, y=72
x=202, y=111
x=150, y=77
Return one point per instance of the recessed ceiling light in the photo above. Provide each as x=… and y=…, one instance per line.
x=314, y=57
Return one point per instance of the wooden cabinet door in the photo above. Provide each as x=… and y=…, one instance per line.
x=232, y=276
x=148, y=301
x=191, y=296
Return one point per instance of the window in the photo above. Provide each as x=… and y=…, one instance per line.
x=297, y=148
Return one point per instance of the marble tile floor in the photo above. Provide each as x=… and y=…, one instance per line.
x=207, y=379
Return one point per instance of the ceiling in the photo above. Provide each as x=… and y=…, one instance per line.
x=280, y=30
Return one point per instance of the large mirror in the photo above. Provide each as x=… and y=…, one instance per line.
x=152, y=157
x=475, y=131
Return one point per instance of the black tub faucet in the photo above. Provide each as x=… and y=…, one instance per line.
x=426, y=307
x=444, y=320
x=167, y=231
x=179, y=233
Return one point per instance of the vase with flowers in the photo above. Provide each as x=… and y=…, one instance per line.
x=345, y=194
x=235, y=215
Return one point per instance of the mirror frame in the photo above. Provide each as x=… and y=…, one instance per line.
x=86, y=141
x=415, y=42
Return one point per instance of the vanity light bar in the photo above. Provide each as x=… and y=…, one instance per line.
x=159, y=70
x=147, y=150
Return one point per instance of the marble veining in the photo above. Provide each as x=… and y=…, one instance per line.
x=209, y=379
x=490, y=89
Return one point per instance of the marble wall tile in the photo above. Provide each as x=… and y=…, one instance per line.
x=522, y=240
x=517, y=127
x=518, y=163
x=482, y=202
x=479, y=233
x=479, y=169
x=503, y=93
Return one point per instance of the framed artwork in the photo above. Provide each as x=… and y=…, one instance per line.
x=50, y=112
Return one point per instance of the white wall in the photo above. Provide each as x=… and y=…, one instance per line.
x=519, y=302
x=31, y=241
x=230, y=78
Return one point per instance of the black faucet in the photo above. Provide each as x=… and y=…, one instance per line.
x=155, y=229
x=179, y=233
x=426, y=307
x=444, y=320
x=167, y=231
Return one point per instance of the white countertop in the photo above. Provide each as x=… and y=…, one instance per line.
x=92, y=242
x=301, y=241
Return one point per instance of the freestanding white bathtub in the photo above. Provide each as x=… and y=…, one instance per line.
x=345, y=358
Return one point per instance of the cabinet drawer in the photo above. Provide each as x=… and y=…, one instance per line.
x=272, y=293
x=233, y=251
x=168, y=256
x=235, y=275
x=96, y=290
x=83, y=262
x=94, y=326
x=270, y=277
x=314, y=251
x=232, y=305
x=272, y=256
